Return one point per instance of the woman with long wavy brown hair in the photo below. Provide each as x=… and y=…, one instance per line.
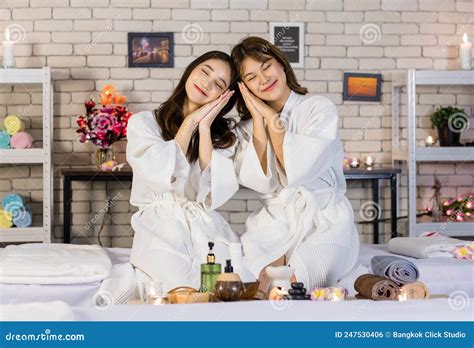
x=182, y=161
x=290, y=153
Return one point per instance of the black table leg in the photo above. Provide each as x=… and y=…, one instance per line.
x=375, y=199
x=67, y=198
x=393, y=197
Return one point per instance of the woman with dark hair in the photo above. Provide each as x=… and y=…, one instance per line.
x=290, y=153
x=182, y=161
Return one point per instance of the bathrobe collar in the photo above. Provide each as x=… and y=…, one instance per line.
x=292, y=100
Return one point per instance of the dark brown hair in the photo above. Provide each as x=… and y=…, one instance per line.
x=261, y=50
x=170, y=114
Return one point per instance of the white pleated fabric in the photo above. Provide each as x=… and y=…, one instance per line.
x=176, y=217
x=305, y=215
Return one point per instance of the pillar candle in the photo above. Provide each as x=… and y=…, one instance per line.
x=465, y=53
x=8, y=55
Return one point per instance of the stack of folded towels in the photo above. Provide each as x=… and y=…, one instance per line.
x=13, y=135
x=13, y=212
x=393, y=278
x=431, y=245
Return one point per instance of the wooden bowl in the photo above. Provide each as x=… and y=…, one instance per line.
x=250, y=290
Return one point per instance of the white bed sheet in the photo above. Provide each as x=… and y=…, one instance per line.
x=442, y=276
x=74, y=295
x=355, y=310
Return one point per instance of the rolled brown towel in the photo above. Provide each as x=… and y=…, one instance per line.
x=415, y=291
x=376, y=288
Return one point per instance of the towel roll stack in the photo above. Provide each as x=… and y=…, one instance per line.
x=13, y=134
x=15, y=212
x=393, y=276
x=4, y=139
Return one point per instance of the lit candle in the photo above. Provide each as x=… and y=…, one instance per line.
x=465, y=53
x=355, y=163
x=429, y=141
x=369, y=161
x=402, y=297
x=8, y=55
x=153, y=296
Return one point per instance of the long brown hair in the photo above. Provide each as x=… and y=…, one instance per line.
x=170, y=114
x=261, y=50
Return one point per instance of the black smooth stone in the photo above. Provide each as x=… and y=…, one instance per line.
x=297, y=285
x=298, y=297
x=296, y=292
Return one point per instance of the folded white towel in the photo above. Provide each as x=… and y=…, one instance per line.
x=36, y=311
x=425, y=247
x=119, y=287
x=39, y=263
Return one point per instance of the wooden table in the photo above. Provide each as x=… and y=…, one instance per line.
x=125, y=175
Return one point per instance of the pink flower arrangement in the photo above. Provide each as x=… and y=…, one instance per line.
x=106, y=125
x=465, y=252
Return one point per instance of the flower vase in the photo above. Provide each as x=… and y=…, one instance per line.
x=103, y=155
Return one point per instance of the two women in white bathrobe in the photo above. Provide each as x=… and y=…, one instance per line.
x=187, y=161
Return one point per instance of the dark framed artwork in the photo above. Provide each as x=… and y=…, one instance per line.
x=289, y=38
x=362, y=87
x=150, y=50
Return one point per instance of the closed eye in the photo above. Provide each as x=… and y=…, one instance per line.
x=266, y=67
x=205, y=72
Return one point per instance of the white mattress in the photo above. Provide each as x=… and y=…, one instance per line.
x=361, y=310
x=441, y=275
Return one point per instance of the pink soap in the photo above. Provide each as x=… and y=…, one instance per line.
x=21, y=140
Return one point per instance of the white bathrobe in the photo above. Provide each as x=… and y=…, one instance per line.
x=305, y=215
x=176, y=217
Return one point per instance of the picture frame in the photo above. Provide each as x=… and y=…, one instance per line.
x=289, y=38
x=150, y=50
x=362, y=87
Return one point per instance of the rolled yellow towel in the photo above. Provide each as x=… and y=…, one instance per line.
x=415, y=291
x=13, y=124
x=6, y=219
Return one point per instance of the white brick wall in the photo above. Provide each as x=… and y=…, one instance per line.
x=85, y=42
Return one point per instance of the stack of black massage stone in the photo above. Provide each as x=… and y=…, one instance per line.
x=298, y=292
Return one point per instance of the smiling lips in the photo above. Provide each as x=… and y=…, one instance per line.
x=270, y=88
x=200, y=90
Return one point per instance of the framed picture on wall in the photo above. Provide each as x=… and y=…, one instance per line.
x=289, y=38
x=150, y=50
x=362, y=87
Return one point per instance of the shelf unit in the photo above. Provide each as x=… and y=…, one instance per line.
x=33, y=156
x=413, y=154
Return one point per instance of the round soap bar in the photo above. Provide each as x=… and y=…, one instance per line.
x=21, y=140
x=13, y=124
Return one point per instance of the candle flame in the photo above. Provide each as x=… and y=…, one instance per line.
x=402, y=297
x=464, y=38
x=7, y=34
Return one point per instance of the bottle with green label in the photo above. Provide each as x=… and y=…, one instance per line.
x=210, y=271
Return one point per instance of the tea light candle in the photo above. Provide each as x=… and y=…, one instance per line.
x=429, y=141
x=8, y=55
x=465, y=53
x=369, y=161
x=355, y=163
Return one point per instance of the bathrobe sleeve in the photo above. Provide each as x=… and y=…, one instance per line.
x=218, y=182
x=310, y=150
x=247, y=165
x=156, y=163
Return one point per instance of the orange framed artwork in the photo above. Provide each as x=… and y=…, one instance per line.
x=362, y=87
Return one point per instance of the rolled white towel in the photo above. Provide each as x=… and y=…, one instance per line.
x=39, y=263
x=118, y=288
x=425, y=247
x=36, y=311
